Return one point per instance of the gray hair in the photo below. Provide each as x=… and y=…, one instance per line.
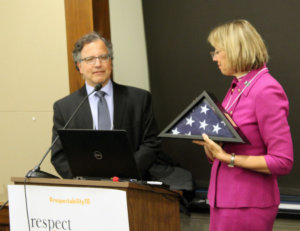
x=88, y=38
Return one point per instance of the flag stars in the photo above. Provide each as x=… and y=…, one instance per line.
x=175, y=131
x=203, y=124
x=204, y=109
x=201, y=118
x=190, y=121
x=216, y=128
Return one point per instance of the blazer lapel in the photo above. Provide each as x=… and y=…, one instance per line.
x=120, y=104
x=84, y=116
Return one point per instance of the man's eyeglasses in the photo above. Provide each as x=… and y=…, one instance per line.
x=92, y=59
x=214, y=53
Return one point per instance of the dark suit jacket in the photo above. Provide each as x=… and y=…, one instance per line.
x=132, y=112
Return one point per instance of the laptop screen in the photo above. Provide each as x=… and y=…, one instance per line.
x=99, y=154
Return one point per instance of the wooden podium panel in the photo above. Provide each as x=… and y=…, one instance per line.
x=4, y=218
x=149, y=207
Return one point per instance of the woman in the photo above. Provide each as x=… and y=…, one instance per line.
x=243, y=192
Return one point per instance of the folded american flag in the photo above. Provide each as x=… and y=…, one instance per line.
x=202, y=119
x=203, y=116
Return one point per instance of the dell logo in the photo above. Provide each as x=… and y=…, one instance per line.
x=98, y=155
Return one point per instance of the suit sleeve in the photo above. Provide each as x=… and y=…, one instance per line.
x=149, y=144
x=272, y=111
x=58, y=158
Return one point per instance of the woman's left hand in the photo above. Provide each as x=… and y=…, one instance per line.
x=215, y=151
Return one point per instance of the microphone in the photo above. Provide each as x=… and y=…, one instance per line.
x=36, y=172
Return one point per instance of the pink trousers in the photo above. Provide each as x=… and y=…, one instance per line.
x=242, y=219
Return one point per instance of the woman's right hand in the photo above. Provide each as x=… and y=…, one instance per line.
x=207, y=152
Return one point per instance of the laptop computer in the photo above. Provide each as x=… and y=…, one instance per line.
x=99, y=154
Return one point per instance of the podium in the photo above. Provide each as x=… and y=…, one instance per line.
x=149, y=207
x=4, y=219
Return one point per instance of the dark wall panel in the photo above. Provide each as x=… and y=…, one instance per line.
x=181, y=68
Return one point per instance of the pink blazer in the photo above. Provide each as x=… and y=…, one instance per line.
x=261, y=113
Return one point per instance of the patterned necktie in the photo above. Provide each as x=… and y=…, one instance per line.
x=103, y=113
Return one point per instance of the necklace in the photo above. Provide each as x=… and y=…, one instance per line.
x=247, y=84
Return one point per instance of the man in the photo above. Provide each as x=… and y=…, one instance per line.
x=129, y=108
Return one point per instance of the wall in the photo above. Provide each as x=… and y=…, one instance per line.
x=34, y=74
x=128, y=38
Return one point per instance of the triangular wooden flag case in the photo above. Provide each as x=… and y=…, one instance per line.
x=204, y=115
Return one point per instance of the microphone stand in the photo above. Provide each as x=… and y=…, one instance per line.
x=36, y=172
x=3, y=205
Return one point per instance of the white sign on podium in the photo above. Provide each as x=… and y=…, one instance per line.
x=67, y=208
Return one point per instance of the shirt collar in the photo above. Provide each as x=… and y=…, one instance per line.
x=107, y=88
x=256, y=74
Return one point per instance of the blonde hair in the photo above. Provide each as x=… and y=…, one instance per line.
x=244, y=47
